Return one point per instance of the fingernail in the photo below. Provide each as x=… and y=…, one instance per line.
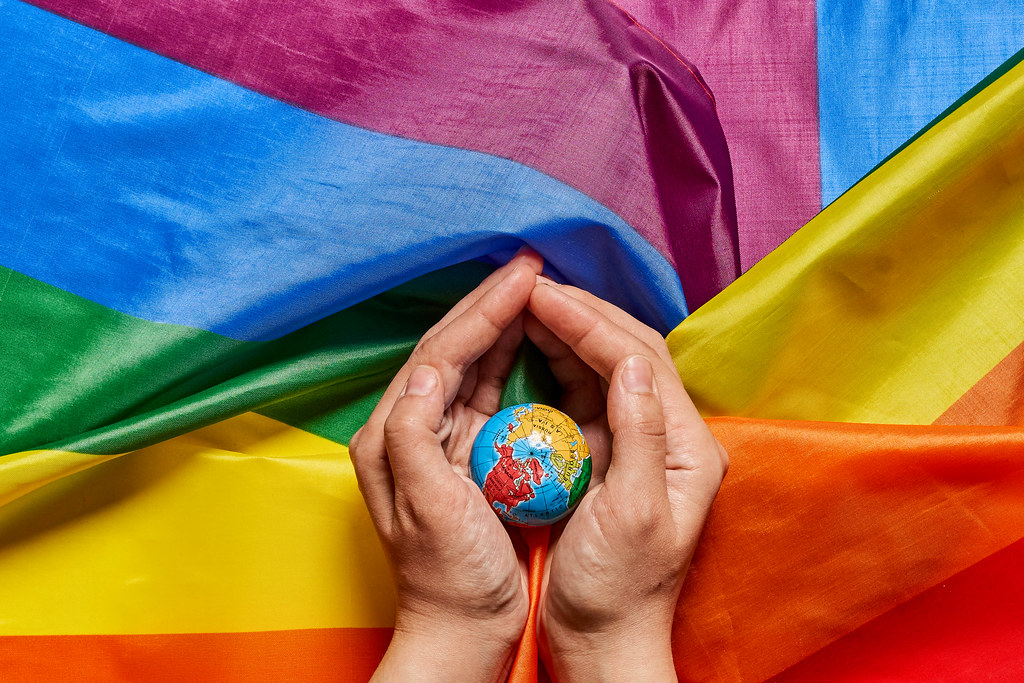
x=638, y=376
x=525, y=249
x=552, y=285
x=546, y=280
x=421, y=382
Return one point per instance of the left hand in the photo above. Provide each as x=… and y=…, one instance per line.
x=462, y=591
x=615, y=571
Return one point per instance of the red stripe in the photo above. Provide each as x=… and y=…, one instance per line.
x=575, y=90
x=969, y=628
x=337, y=655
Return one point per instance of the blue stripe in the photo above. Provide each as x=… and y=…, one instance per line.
x=885, y=69
x=169, y=194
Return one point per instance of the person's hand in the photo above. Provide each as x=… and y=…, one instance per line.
x=461, y=586
x=615, y=572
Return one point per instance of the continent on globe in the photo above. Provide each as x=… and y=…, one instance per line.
x=568, y=468
x=508, y=483
x=532, y=464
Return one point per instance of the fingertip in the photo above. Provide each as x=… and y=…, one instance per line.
x=542, y=278
x=518, y=284
x=544, y=294
x=530, y=257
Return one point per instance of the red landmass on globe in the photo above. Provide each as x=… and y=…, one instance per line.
x=508, y=482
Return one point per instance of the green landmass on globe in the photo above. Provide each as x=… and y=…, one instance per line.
x=532, y=464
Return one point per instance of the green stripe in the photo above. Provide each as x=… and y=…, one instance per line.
x=83, y=377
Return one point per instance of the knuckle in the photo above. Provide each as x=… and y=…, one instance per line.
x=425, y=350
x=397, y=426
x=489, y=317
x=649, y=428
x=723, y=456
x=646, y=518
x=435, y=352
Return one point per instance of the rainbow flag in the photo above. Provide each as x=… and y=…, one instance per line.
x=225, y=225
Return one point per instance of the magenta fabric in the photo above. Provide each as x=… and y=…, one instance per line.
x=576, y=90
x=759, y=57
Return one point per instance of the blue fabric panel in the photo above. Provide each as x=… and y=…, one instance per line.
x=885, y=69
x=169, y=194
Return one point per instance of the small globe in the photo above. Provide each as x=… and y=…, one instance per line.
x=532, y=463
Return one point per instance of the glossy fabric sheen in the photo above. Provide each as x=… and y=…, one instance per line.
x=883, y=513
x=760, y=59
x=821, y=527
x=966, y=628
x=899, y=303
x=321, y=655
x=246, y=525
x=576, y=90
x=849, y=320
x=997, y=398
x=73, y=389
x=163, y=192
x=887, y=68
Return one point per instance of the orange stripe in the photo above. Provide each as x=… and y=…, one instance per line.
x=337, y=655
x=995, y=399
x=525, y=665
x=821, y=527
x=968, y=628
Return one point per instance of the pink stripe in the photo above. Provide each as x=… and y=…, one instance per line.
x=576, y=90
x=760, y=59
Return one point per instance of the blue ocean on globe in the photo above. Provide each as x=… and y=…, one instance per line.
x=532, y=464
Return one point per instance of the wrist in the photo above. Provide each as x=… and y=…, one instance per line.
x=640, y=651
x=447, y=648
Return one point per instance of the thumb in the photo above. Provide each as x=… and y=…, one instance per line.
x=637, y=423
x=411, y=433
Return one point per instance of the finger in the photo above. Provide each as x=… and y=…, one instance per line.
x=581, y=388
x=493, y=369
x=374, y=478
x=583, y=393
x=603, y=345
x=639, y=446
x=526, y=257
x=590, y=334
x=410, y=436
x=452, y=350
x=646, y=334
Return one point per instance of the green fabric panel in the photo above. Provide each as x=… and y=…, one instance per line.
x=90, y=379
x=531, y=380
x=70, y=365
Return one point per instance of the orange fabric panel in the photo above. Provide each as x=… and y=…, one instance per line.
x=300, y=656
x=996, y=399
x=885, y=512
x=967, y=628
x=525, y=665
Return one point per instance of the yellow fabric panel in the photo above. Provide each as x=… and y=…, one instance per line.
x=179, y=537
x=894, y=300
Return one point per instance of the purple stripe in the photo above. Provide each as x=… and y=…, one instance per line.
x=760, y=58
x=576, y=90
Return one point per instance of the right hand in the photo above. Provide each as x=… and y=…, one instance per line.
x=615, y=572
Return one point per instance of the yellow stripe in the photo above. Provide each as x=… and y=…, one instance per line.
x=243, y=526
x=894, y=300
